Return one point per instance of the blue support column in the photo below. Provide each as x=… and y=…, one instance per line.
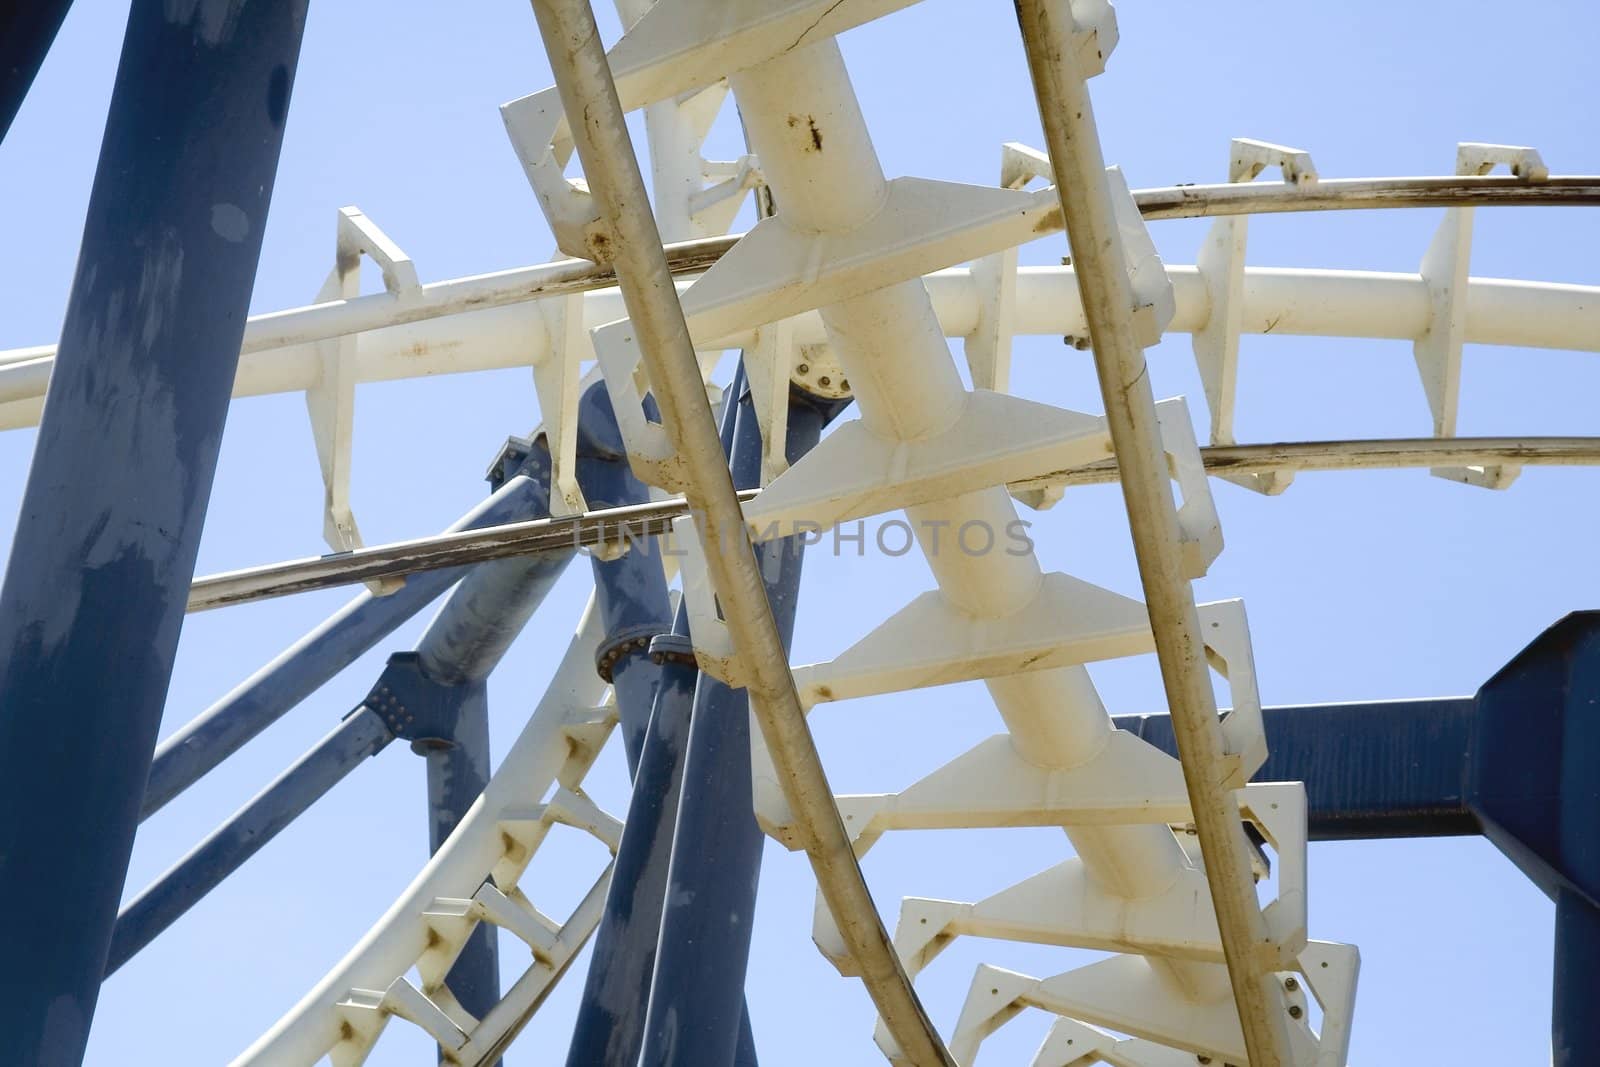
x=610, y=1023
x=697, y=1008
x=1534, y=781
x=26, y=33
x=1575, y=1008
x=361, y=734
x=98, y=579
x=436, y=697
x=352, y=631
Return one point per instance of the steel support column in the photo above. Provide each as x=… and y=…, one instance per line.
x=95, y=590
x=443, y=685
x=697, y=1010
x=610, y=1025
x=25, y=38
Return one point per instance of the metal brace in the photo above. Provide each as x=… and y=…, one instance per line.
x=556, y=382
x=330, y=403
x=1221, y=263
x=1445, y=270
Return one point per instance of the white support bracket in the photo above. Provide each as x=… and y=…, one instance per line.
x=1221, y=264
x=1445, y=270
x=1154, y=302
x=988, y=346
x=997, y=438
x=675, y=48
x=768, y=365
x=1073, y=1044
x=713, y=208
x=1070, y=622
x=778, y=271
x=714, y=650
x=1123, y=993
x=1064, y=905
x=330, y=403
x=557, y=376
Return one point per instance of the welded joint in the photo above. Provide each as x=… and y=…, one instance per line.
x=1445, y=268
x=1222, y=263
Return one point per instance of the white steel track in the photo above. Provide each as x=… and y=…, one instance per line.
x=862, y=272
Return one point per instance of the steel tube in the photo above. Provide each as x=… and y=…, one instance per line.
x=110, y=524
x=1067, y=113
x=1276, y=300
x=888, y=337
x=696, y=1010
x=654, y=701
x=361, y=734
x=30, y=30
x=596, y=528
x=583, y=77
x=1575, y=1026
x=298, y=671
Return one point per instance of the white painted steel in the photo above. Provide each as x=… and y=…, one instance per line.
x=907, y=387
x=344, y=1014
x=850, y=240
x=624, y=227
x=1276, y=300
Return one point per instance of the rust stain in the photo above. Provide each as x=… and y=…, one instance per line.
x=811, y=125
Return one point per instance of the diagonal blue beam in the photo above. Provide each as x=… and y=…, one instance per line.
x=297, y=672
x=361, y=734
x=96, y=587
x=697, y=1008
x=660, y=669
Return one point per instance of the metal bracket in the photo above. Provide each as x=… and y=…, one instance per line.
x=331, y=402
x=556, y=383
x=1221, y=264
x=1123, y=994
x=1445, y=270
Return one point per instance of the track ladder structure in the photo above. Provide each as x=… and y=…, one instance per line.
x=853, y=287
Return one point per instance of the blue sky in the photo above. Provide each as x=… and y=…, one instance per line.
x=1360, y=586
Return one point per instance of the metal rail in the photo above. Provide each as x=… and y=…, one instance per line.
x=583, y=77
x=292, y=327
x=635, y=524
x=1067, y=113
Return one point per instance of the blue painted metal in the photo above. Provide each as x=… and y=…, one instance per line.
x=1534, y=776
x=610, y=1022
x=361, y=734
x=301, y=669
x=697, y=1009
x=26, y=33
x=1534, y=781
x=1378, y=769
x=98, y=580
x=1574, y=1021
x=436, y=697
